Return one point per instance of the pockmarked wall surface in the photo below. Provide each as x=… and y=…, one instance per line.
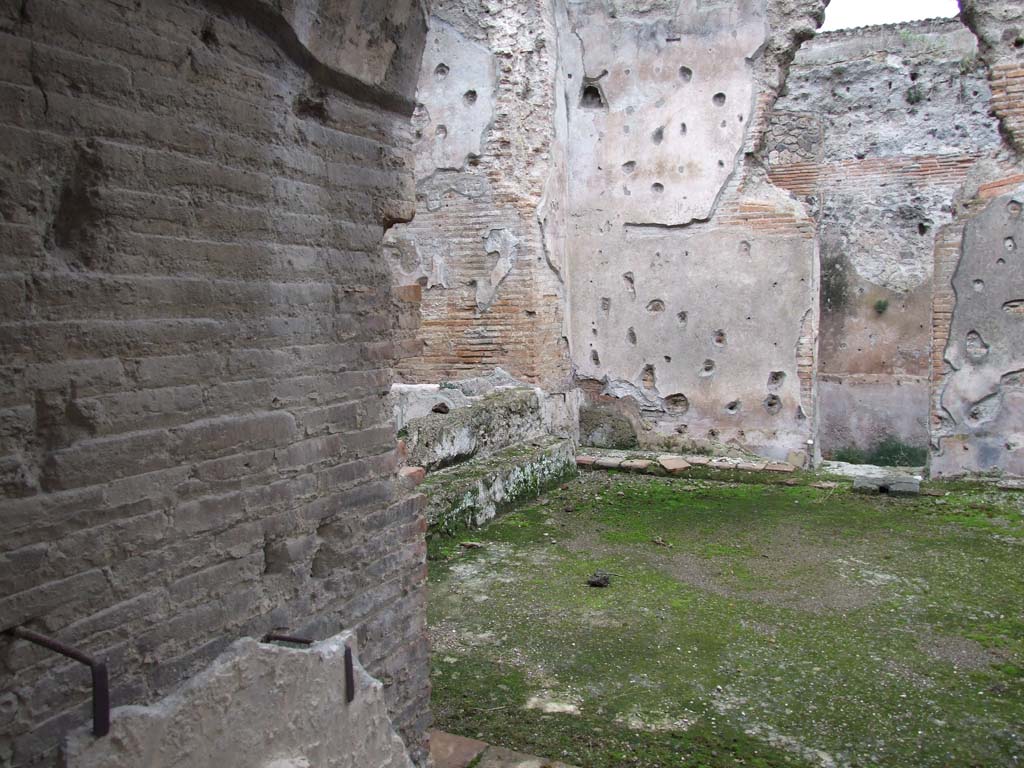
x=878, y=131
x=976, y=387
x=196, y=341
x=982, y=397
x=692, y=281
x=485, y=246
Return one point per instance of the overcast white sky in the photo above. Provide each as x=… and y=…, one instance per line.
x=860, y=13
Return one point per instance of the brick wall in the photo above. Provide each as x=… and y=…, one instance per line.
x=196, y=337
x=498, y=185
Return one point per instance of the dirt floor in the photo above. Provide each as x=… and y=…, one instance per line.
x=743, y=625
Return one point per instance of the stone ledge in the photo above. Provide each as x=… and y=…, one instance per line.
x=477, y=490
x=673, y=464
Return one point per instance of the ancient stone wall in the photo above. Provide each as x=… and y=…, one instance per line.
x=692, y=280
x=976, y=382
x=878, y=130
x=485, y=242
x=197, y=338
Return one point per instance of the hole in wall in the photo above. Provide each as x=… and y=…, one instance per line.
x=208, y=35
x=922, y=229
x=718, y=99
x=648, y=377
x=627, y=278
x=976, y=347
x=772, y=404
x=776, y=379
x=744, y=248
x=631, y=336
x=606, y=303
x=707, y=367
x=685, y=74
x=721, y=163
x=1010, y=244
x=594, y=357
x=629, y=166
x=591, y=97
x=1015, y=307
x=656, y=305
x=979, y=286
x=441, y=71
x=732, y=407
x=682, y=129
x=1014, y=208
x=719, y=338
x=659, y=135
x=469, y=98
x=441, y=132
x=682, y=317
x=657, y=187
x=677, y=403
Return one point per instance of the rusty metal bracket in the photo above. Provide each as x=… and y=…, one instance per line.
x=350, y=672
x=277, y=637
x=350, y=677
x=100, y=678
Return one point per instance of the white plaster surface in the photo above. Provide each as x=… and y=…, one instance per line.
x=633, y=155
x=746, y=337
x=983, y=395
x=456, y=100
x=257, y=706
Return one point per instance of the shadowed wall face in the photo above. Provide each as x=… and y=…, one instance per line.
x=196, y=341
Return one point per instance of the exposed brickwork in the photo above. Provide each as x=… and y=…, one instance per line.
x=501, y=188
x=811, y=178
x=195, y=344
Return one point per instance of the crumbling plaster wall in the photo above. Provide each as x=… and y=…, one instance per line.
x=878, y=130
x=692, y=280
x=976, y=388
x=196, y=344
x=485, y=244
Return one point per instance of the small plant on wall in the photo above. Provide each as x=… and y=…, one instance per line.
x=915, y=95
x=881, y=305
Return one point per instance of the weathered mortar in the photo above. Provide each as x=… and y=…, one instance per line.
x=196, y=344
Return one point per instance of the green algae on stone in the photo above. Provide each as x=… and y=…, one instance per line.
x=785, y=625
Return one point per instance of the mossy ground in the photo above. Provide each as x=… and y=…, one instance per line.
x=785, y=625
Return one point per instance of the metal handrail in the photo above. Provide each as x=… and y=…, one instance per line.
x=100, y=677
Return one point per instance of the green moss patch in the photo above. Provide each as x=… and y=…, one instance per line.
x=763, y=625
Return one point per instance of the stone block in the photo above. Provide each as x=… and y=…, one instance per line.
x=751, y=466
x=607, y=462
x=257, y=692
x=471, y=493
x=674, y=465
x=636, y=465
x=450, y=751
x=586, y=462
x=412, y=476
x=894, y=484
